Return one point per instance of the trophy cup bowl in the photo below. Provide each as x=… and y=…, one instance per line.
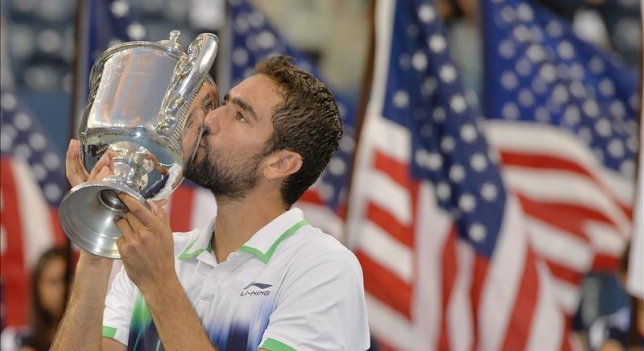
x=146, y=107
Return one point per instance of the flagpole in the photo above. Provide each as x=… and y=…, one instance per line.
x=367, y=78
x=73, y=130
x=76, y=67
x=635, y=282
x=367, y=71
x=223, y=62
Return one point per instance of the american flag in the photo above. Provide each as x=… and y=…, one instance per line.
x=32, y=185
x=562, y=114
x=444, y=249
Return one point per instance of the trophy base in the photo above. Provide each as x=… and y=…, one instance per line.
x=87, y=215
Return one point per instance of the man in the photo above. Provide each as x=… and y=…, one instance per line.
x=259, y=277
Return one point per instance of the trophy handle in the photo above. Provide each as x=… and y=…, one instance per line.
x=189, y=76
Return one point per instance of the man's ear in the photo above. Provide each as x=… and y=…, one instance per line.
x=282, y=164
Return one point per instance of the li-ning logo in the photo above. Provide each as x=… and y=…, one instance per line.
x=254, y=292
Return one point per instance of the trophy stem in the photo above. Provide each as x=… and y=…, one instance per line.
x=111, y=200
x=129, y=172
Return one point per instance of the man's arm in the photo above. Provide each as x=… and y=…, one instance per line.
x=81, y=326
x=176, y=321
x=146, y=249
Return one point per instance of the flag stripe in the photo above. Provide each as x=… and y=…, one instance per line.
x=547, y=317
x=180, y=207
x=559, y=215
x=550, y=187
x=450, y=268
x=525, y=305
x=480, y=274
x=38, y=235
x=460, y=315
x=433, y=229
x=565, y=273
x=14, y=271
x=389, y=326
x=389, y=252
x=384, y=219
x=385, y=286
x=528, y=139
x=561, y=248
x=553, y=163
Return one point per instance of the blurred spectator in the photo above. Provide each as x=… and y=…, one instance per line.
x=623, y=22
x=465, y=40
x=48, y=296
x=579, y=329
x=620, y=17
x=624, y=329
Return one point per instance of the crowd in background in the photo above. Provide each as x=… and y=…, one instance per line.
x=612, y=24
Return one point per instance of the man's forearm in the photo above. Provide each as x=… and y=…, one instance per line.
x=176, y=321
x=81, y=326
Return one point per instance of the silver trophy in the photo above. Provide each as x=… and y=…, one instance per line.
x=146, y=107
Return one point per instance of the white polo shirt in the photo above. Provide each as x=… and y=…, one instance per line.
x=290, y=287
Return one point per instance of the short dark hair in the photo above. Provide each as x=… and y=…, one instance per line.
x=308, y=122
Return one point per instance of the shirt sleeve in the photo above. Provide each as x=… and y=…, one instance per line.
x=118, y=308
x=320, y=307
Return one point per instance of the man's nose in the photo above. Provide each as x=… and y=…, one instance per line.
x=210, y=121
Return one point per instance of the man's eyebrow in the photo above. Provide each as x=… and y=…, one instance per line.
x=242, y=104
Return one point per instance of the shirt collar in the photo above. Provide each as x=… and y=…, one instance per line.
x=200, y=244
x=266, y=240
x=262, y=244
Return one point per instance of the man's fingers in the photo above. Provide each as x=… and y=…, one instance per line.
x=104, y=172
x=124, y=226
x=134, y=221
x=74, y=168
x=138, y=210
x=102, y=164
x=158, y=211
x=160, y=203
x=80, y=168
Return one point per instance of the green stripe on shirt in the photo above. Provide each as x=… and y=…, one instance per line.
x=274, y=345
x=109, y=332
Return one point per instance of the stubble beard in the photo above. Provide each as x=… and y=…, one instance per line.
x=228, y=181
